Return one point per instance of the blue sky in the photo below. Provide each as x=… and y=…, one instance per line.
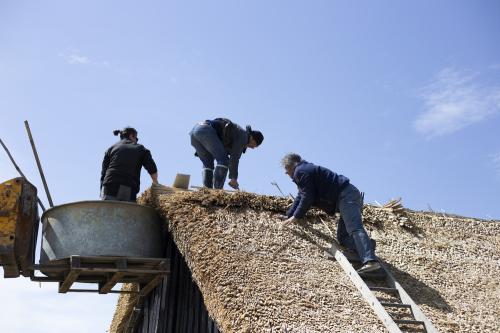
x=403, y=98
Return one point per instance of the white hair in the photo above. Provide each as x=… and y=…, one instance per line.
x=290, y=160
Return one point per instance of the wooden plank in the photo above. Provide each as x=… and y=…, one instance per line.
x=113, y=259
x=396, y=305
x=72, y=275
x=128, y=271
x=161, y=266
x=121, y=264
x=162, y=320
x=97, y=290
x=197, y=309
x=204, y=318
x=163, y=302
x=409, y=322
x=173, y=292
x=145, y=315
x=181, y=301
x=191, y=315
x=156, y=294
x=151, y=284
x=110, y=283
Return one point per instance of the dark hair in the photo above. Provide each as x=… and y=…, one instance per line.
x=256, y=135
x=125, y=133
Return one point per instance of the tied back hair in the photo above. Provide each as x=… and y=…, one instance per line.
x=125, y=133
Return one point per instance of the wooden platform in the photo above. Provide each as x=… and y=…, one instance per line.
x=106, y=272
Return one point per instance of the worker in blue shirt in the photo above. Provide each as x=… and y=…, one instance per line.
x=224, y=141
x=331, y=192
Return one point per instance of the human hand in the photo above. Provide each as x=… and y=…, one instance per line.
x=290, y=221
x=234, y=184
x=281, y=217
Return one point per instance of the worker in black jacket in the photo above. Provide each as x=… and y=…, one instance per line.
x=331, y=192
x=224, y=141
x=121, y=167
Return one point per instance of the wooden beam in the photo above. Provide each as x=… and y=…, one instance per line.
x=150, y=286
x=121, y=265
x=72, y=275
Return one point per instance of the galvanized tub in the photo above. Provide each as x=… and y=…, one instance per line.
x=101, y=228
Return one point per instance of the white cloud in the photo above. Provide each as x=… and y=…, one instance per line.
x=73, y=57
x=454, y=100
x=495, y=159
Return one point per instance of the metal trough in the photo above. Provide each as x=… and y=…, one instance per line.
x=101, y=228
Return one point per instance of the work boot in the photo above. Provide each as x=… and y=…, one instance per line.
x=208, y=177
x=369, y=267
x=220, y=174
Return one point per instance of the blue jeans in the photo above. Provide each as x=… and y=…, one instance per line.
x=208, y=146
x=350, y=230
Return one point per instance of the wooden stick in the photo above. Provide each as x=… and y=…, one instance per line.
x=38, y=163
x=276, y=184
x=200, y=187
x=327, y=227
x=19, y=170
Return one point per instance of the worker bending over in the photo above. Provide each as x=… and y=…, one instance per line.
x=121, y=167
x=331, y=192
x=224, y=141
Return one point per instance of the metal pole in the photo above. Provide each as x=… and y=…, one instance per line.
x=38, y=163
x=19, y=170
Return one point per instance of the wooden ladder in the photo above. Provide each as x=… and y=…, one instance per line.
x=401, y=315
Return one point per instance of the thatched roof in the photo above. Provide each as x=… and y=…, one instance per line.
x=256, y=276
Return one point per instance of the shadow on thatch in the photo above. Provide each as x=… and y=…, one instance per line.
x=419, y=291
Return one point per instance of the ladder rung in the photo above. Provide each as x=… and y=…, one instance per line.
x=408, y=322
x=384, y=289
x=396, y=305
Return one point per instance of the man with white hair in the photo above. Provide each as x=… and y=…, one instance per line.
x=331, y=192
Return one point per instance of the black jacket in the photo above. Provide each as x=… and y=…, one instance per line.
x=318, y=186
x=122, y=165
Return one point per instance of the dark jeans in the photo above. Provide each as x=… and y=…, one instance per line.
x=208, y=146
x=122, y=193
x=350, y=230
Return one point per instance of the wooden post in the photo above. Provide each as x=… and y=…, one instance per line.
x=38, y=163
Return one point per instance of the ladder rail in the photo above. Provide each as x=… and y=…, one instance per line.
x=405, y=298
x=365, y=291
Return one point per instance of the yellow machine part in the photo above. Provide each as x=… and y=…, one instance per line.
x=18, y=226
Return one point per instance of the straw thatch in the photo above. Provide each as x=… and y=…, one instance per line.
x=258, y=277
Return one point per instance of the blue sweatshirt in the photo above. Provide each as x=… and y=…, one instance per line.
x=234, y=138
x=318, y=187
